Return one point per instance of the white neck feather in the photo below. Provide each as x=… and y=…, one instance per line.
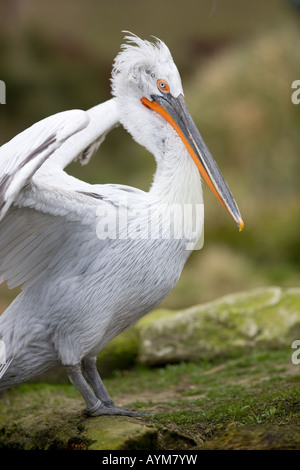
x=177, y=187
x=177, y=180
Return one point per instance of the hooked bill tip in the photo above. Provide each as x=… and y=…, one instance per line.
x=241, y=225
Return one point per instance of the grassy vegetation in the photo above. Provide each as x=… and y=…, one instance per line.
x=241, y=389
x=200, y=402
x=205, y=400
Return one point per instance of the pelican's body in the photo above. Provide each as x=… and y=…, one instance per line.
x=91, y=258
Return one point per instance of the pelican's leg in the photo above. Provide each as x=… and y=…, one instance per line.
x=91, y=373
x=77, y=379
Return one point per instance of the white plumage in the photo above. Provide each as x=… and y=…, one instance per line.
x=92, y=259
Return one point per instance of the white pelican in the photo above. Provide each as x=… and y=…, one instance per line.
x=80, y=286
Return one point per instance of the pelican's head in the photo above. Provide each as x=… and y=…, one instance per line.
x=147, y=86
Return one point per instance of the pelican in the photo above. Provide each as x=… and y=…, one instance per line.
x=85, y=277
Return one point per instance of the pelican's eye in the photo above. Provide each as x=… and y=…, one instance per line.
x=163, y=86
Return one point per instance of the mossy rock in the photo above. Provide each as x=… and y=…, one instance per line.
x=47, y=417
x=244, y=402
x=120, y=353
x=263, y=437
x=267, y=317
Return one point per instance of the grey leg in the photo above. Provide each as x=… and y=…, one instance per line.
x=92, y=375
x=77, y=379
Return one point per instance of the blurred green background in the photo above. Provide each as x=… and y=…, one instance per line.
x=237, y=60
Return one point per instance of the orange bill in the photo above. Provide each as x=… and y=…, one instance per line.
x=175, y=112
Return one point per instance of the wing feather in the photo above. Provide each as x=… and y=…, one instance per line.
x=82, y=146
x=50, y=219
x=47, y=231
x=24, y=154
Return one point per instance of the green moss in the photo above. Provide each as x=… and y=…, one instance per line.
x=243, y=321
x=239, y=375
x=190, y=404
x=118, y=433
x=120, y=353
x=157, y=314
x=266, y=437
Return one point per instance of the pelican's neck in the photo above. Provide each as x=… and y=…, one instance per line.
x=176, y=181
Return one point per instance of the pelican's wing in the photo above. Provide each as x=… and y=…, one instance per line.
x=49, y=215
x=102, y=119
x=24, y=154
x=50, y=229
